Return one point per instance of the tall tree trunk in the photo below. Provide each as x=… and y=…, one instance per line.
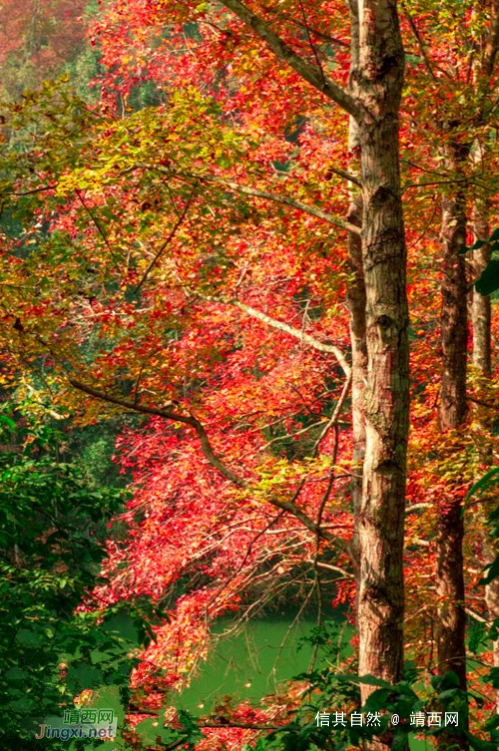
x=451, y=619
x=373, y=99
x=377, y=83
x=481, y=318
x=356, y=299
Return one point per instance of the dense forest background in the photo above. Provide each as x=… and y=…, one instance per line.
x=249, y=268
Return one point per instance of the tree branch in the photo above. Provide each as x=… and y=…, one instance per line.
x=314, y=211
x=168, y=240
x=346, y=175
x=337, y=569
x=298, y=333
x=207, y=449
x=224, y=724
x=283, y=51
x=477, y=616
x=420, y=43
x=492, y=45
x=481, y=402
x=190, y=420
x=276, y=197
x=302, y=517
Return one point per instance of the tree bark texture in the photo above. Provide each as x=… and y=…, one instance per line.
x=481, y=309
x=451, y=620
x=356, y=300
x=373, y=99
x=377, y=85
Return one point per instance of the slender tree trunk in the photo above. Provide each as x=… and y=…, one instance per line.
x=481, y=318
x=377, y=83
x=481, y=309
x=356, y=299
x=451, y=619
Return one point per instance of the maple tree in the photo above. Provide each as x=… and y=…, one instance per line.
x=196, y=271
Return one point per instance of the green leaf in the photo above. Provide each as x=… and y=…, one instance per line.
x=399, y=742
x=378, y=699
x=478, y=745
x=489, y=279
x=8, y=421
x=477, y=633
x=492, y=240
x=371, y=680
x=494, y=677
x=485, y=482
x=493, y=572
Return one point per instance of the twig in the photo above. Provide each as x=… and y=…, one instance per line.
x=301, y=335
x=96, y=222
x=168, y=239
x=312, y=45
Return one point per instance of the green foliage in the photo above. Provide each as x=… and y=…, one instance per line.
x=488, y=282
x=489, y=480
x=328, y=692
x=94, y=447
x=52, y=527
x=489, y=279
x=484, y=483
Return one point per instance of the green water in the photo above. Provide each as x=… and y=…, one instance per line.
x=246, y=665
x=252, y=663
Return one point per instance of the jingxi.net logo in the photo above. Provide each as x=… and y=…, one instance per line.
x=80, y=723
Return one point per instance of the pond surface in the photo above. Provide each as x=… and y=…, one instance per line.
x=246, y=665
x=252, y=663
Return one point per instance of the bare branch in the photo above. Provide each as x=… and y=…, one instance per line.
x=337, y=569
x=481, y=402
x=41, y=189
x=95, y=221
x=302, y=517
x=168, y=240
x=276, y=197
x=243, y=725
x=346, y=175
x=420, y=43
x=301, y=335
x=311, y=44
x=477, y=617
x=417, y=506
x=336, y=414
x=281, y=326
x=420, y=543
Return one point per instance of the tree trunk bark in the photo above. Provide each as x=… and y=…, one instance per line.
x=377, y=84
x=356, y=300
x=373, y=99
x=451, y=618
x=482, y=361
